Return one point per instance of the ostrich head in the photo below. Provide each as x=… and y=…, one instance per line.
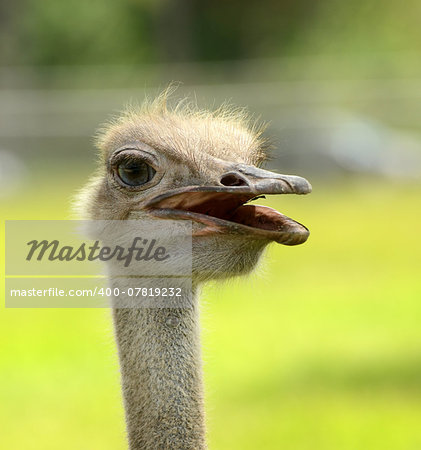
x=182, y=163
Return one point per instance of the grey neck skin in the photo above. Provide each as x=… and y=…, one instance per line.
x=161, y=373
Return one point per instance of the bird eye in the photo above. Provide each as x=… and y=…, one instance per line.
x=135, y=173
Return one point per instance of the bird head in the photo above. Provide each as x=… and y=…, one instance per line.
x=185, y=164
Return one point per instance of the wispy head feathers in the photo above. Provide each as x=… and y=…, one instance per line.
x=186, y=131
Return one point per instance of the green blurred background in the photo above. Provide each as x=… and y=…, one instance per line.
x=321, y=348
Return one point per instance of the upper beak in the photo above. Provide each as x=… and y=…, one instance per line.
x=245, y=181
x=260, y=181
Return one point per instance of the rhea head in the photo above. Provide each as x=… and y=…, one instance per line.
x=183, y=163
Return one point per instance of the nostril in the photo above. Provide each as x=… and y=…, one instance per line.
x=232, y=179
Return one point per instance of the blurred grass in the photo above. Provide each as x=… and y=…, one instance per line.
x=319, y=350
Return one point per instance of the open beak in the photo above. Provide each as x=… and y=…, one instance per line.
x=225, y=208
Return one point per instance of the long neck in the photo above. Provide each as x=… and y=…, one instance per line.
x=161, y=372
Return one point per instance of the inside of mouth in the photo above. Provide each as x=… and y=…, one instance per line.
x=229, y=207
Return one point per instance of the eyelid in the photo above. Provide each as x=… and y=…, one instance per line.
x=147, y=156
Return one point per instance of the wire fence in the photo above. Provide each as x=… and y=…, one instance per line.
x=326, y=117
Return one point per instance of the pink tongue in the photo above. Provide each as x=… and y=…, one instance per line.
x=262, y=217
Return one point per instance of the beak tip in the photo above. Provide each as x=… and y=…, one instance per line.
x=309, y=188
x=299, y=185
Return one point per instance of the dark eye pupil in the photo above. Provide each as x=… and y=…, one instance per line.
x=135, y=173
